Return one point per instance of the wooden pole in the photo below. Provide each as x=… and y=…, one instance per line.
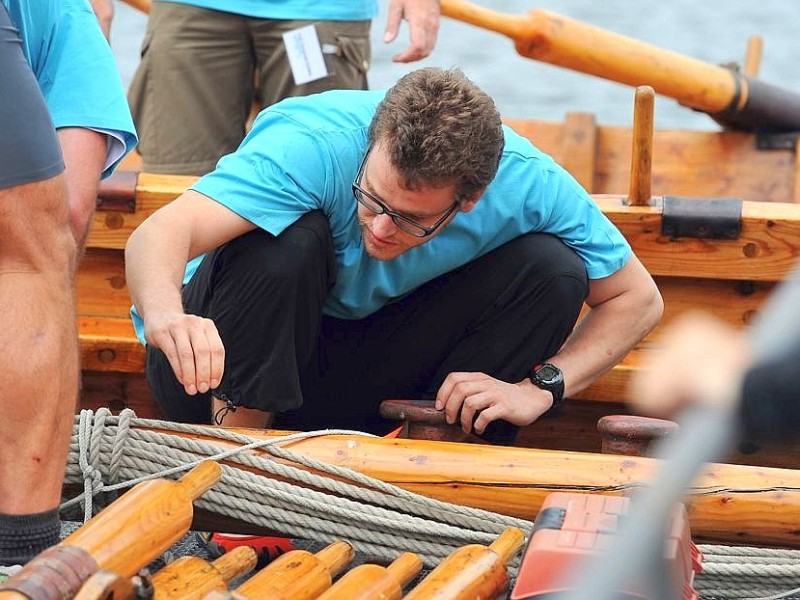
x=752, y=57
x=472, y=571
x=730, y=97
x=135, y=529
x=142, y=5
x=366, y=582
x=727, y=503
x=298, y=575
x=640, y=191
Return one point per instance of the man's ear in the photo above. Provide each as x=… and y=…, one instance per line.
x=469, y=203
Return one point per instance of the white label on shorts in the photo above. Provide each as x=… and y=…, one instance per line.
x=305, y=54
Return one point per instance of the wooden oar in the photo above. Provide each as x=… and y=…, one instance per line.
x=142, y=5
x=472, y=571
x=367, y=582
x=192, y=578
x=731, y=98
x=123, y=538
x=299, y=574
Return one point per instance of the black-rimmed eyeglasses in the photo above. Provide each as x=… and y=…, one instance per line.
x=376, y=205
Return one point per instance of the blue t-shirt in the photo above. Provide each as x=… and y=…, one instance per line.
x=302, y=154
x=76, y=71
x=309, y=10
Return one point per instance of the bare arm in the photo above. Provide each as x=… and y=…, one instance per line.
x=624, y=308
x=84, y=153
x=423, y=23
x=155, y=259
x=718, y=356
x=104, y=11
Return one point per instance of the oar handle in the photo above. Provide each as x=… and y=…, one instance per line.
x=238, y=561
x=502, y=23
x=508, y=544
x=404, y=568
x=200, y=479
x=336, y=557
x=142, y=5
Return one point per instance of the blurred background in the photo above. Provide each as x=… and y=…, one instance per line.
x=715, y=31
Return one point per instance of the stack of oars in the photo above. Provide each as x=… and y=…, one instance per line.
x=104, y=560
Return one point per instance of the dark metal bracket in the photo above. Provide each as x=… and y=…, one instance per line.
x=118, y=192
x=777, y=141
x=712, y=218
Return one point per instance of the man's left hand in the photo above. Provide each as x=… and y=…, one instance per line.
x=423, y=23
x=481, y=399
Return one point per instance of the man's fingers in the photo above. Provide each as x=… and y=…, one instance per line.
x=486, y=416
x=393, y=22
x=472, y=407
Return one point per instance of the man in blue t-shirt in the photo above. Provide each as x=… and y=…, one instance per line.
x=365, y=245
x=63, y=123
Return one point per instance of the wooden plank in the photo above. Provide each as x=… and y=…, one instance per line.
x=109, y=344
x=118, y=391
x=100, y=284
x=685, y=162
x=110, y=229
x=766, y=250
x=580, y=148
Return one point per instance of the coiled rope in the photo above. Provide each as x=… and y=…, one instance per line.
x=109, y=453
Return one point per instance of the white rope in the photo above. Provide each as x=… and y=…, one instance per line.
x=742, y=572
x=378, y=518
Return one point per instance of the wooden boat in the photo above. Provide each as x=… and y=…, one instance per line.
x=728, y=277
x=705, y=263
x=709, y=262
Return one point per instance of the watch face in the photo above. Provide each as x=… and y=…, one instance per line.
x=548, y=374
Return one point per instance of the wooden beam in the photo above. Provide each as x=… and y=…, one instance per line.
x=766, y=250
x=579, y=151
x=111, y=229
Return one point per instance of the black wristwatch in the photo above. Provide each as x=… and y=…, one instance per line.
x=549, y=377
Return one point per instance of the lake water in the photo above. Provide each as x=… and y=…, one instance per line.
x=713, y=31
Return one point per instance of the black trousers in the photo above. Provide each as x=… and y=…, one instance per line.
x=500, y=314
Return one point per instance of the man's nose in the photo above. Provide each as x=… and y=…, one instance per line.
x=383, y=226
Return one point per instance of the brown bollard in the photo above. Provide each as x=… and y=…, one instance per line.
x=630, y=434
x=473, y=571
x=421, y=421
x=190, y=577
x=123, y=538
x=366, y=582
x=299, y=574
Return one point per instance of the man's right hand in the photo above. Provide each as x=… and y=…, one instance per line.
x=193, y=347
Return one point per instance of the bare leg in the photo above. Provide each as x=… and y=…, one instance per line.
x=39, y=361
x=84, y=153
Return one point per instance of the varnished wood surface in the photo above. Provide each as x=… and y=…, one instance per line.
x=727, y=503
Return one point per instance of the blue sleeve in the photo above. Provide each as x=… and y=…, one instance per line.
x=81, y=83
x=278, y=174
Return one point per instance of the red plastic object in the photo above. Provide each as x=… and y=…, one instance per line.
x=571, y=526
x=268, y=548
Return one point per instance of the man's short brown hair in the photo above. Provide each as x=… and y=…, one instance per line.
x=439, y=128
